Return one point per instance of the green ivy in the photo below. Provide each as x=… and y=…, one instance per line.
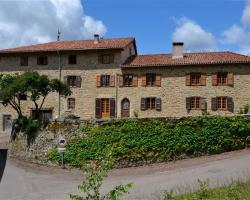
x=154, y=140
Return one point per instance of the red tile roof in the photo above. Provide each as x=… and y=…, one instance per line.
x=117, y=43
x=188, y=59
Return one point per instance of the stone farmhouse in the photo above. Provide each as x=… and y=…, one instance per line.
x=110, y=80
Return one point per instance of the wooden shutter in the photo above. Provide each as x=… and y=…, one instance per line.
x=143, y=103
x=188, y=79
x=121, y=80
x=98, y=81
x=112, y=108
x=203, y=79
x=214, y=104
x=188, y=103
x=135, y=81
x=214, y=79
x=144, y=81
x=230, y=79
x=111, y=58
x=78, y=81
x=158, y=104
x=158, y=80
x=230, y=104
x=98, y=111
x=100, y=59
x=203, y=104
x=112, y=81
x=65, y=78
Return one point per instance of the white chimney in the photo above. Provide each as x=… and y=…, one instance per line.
x=97, y=39
x=177, y=50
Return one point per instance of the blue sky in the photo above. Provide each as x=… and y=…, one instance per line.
x=153, y=22
x=203, y=25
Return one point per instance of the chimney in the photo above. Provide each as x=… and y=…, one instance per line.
x=177, y=50
x=96, y=38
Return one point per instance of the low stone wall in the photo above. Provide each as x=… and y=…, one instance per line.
x=46, y=138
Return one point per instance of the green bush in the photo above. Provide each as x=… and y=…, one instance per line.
x=158, y=140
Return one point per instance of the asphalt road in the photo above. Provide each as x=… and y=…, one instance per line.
x=22, y=182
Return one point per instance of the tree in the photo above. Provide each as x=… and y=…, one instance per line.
x=11, y=88
x=37, y=87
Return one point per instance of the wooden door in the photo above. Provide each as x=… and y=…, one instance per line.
x=7, y=124
x=105, y=108
x=125, y=108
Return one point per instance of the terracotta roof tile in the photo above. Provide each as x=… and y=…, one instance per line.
x=116, y=43
x=188, y=59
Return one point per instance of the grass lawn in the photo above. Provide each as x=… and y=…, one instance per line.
x=235, y=191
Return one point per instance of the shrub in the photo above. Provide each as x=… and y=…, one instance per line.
x=135, y=141
x=95, y=174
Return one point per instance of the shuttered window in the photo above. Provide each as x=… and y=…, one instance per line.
x=196, y=103
x=105, y=81
x=73, y=81
x=151, y=80
x=222, y=78
x=105, y=108
x=151, y=103
x=71, y=103
x=195, y=79
x=222, y=103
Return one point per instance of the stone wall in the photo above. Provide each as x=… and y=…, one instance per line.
x=46, y=139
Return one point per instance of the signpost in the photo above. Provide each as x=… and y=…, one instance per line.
x=61, y=149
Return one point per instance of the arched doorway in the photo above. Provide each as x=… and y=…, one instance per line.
x=125, y=108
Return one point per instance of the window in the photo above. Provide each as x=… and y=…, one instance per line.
x=221, y=103
x=106, y=59
x=42, y=60
x=73, y=81
x=105, y=80
x=195, y=78
x=45, y=115
x=24, y=61
x=105, y=108
x=222, y=78
x=195, y=103
x=72, y=60
x=23, y=97
x=150, y=103
x=71, y=103
x=128, y=80
x=150, y=79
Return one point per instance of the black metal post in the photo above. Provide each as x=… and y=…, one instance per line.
x=3, y=158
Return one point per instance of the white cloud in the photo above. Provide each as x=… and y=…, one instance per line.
x=245, y=18
x=239, y=35
x=34, y=21
x=195, y=38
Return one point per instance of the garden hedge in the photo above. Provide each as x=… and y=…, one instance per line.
x=135, y=141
